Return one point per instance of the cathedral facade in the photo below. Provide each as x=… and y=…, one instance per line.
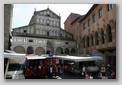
x=43, y=35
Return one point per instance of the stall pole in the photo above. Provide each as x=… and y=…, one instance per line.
x=6, y=69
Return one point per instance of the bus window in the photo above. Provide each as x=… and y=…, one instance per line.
x=15, y=67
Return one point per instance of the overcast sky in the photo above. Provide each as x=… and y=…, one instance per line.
x=22, y=13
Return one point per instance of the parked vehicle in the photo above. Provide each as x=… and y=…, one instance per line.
x=14, y=65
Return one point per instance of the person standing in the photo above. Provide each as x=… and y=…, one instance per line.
x=99, y=76
x=27, y=73
x=103, y=70
x=86, y=75
x=60, y=72
x=43, y=71
x=31, y=72
x=55, y=70
x=41, y=63
x=90, y=76
x=35, y=72
x=51, y=72
x=108, y=71
x=83, y=71
x=58, y=67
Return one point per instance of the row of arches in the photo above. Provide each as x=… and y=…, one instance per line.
x=99, y=37
x=41, y=50
x=59, y=50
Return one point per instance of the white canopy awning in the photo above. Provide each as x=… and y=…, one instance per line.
x=79, y=59
x=14, y=55
x=35, y=57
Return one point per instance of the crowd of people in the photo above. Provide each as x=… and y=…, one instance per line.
x=105, y=72
x=41, y=70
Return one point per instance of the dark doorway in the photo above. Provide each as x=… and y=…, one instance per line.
x=48, y=52
x=30, y=50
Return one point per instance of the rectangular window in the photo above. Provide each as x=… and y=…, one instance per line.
x=100, y=12
x=84, y=27
x=48, y=15
x=30, y=40
x=110, y=6
x=15, y=39
x=48, y=24
x=25, y=31
x=94, y=18
x=66, y=43
x=89, y=22
x=24, y=40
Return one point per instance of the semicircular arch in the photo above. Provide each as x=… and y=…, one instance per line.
x=30, y=50
x=19, y=49
x=72, y=51
x=59, y=50
x=39, y=51
x=67, y=51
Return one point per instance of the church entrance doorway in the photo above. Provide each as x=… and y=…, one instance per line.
x=30, y=50
x=48, y=52
x=50, y=49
